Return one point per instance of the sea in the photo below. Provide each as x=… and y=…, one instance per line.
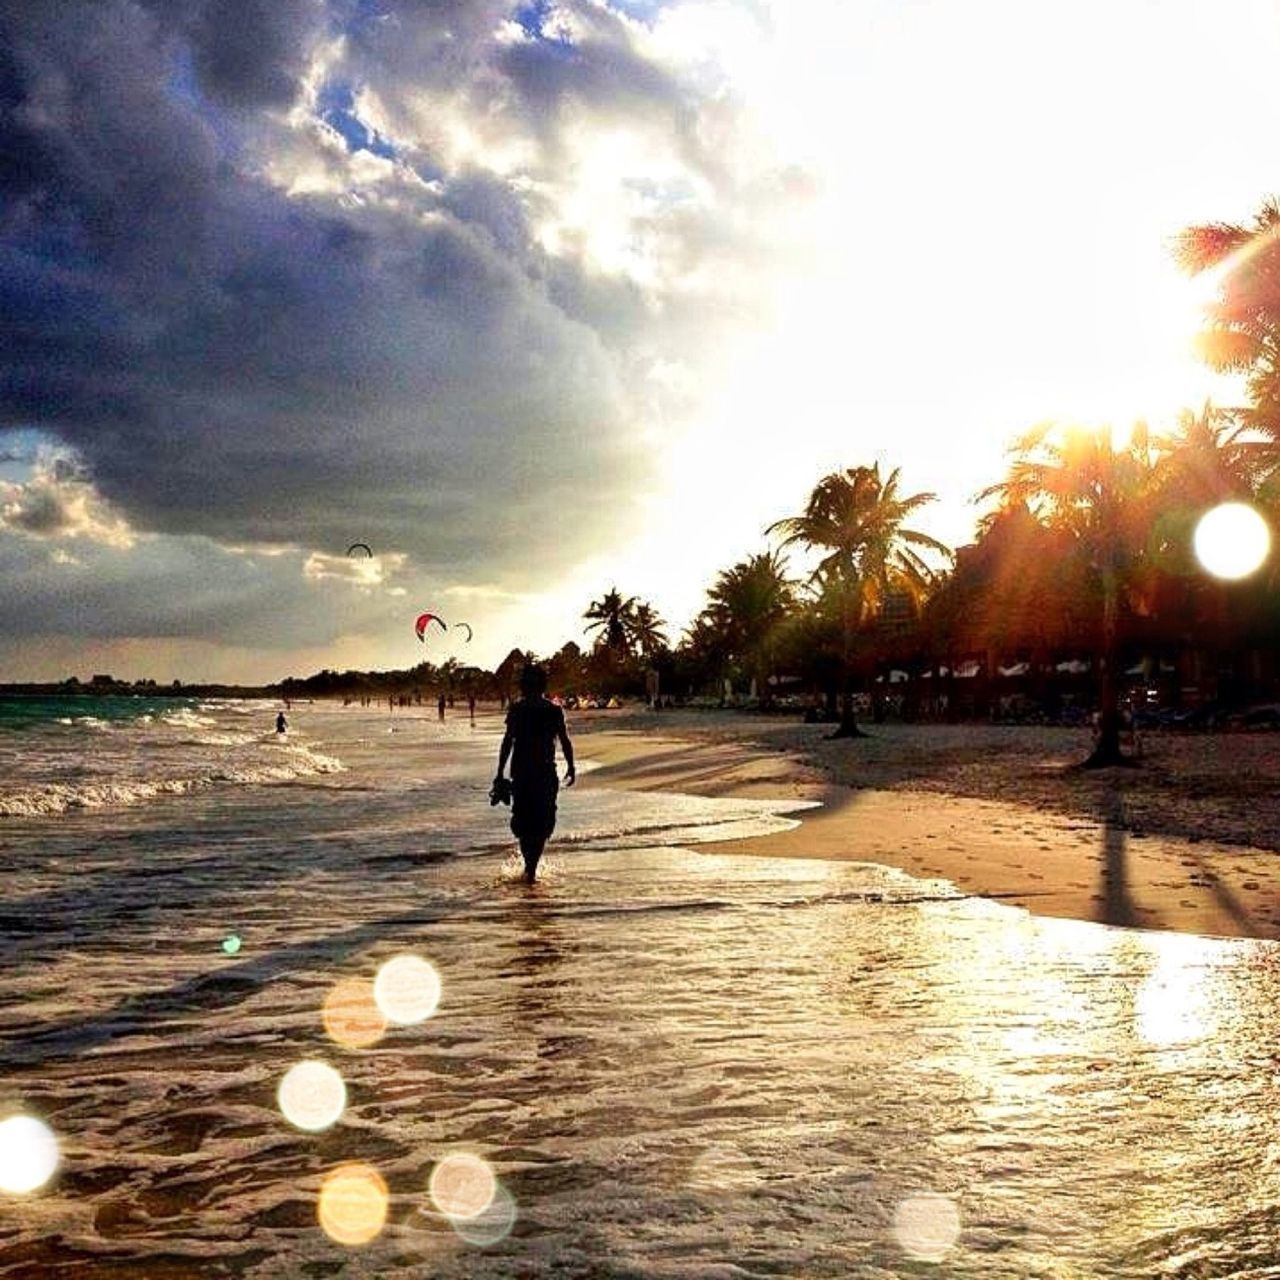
x=657, y=1062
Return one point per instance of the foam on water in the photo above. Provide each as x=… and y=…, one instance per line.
x=135, y=751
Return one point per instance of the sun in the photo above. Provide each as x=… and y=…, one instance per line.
x=1231, y=540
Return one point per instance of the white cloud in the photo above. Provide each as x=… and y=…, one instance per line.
x=58, y=502
x=360, y=571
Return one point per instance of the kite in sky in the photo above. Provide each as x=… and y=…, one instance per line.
x=357, y=546
x=424, y=621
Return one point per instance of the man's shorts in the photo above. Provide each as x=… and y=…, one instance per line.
x=533, y=807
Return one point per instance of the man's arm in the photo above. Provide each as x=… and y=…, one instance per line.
x=570, y=773
x=504, y=753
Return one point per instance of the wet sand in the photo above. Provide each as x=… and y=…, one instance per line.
x=1189, y=841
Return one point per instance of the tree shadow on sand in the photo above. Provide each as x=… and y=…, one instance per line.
x=1117, y=903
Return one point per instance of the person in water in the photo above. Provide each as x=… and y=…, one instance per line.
x=534, y=724
x=282, y=725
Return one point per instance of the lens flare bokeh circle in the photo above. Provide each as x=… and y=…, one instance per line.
x=927, y=1226
x=353, y=1204
x=491, y=1226
x=462, y=1186
x=1231, y=540
x=351, y=1015
x=407, y=989
x=28, y=1154
x=312, y=1096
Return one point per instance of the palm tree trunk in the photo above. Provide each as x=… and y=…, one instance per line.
x=848, y=726
x=1106, y=752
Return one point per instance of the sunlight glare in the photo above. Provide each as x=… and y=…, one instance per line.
x=28, y=1154
x=462, y=1185
x=407, y=989
x=351, y=1015
x=1121, y=435
x=1176, y=1003
x=1231, y=540
x=353, y=1204
x=927, y=1226
x=491, y=1225
x=312, y=1096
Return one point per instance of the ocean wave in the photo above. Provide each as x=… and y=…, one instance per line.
x=96, y=723
x=185, y=718
x=217, y=738
x=236, y=706
x=55, y=798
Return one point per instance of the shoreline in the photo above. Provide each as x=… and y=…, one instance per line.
x=1075, y=846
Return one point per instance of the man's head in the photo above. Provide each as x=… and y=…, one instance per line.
x=533, y=680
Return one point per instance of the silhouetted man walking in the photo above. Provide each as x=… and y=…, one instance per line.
x=533, y=726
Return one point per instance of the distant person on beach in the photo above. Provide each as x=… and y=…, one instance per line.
x=534, y=724
x=471, y=706
x=440, y=706
x=282, y=725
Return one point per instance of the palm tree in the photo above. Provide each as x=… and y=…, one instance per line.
x=610, y=617
x=856, y=519
x=644, y=629
x=1244, y=329
x=1078, y=483
x=747, y=604
x=1206, y=460
x=1016, y=589
x=705, y=651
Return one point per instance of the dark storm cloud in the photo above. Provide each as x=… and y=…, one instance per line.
x=252, y=54
x=250, y=278
x=235, y=362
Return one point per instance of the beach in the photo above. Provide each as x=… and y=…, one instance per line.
x=1187, y=841
x=693, y=1049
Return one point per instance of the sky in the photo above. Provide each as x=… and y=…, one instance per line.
x=538, y=299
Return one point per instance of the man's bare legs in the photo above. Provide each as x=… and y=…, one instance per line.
x=531, y=851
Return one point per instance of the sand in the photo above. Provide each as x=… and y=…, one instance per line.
x=1186, y=842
